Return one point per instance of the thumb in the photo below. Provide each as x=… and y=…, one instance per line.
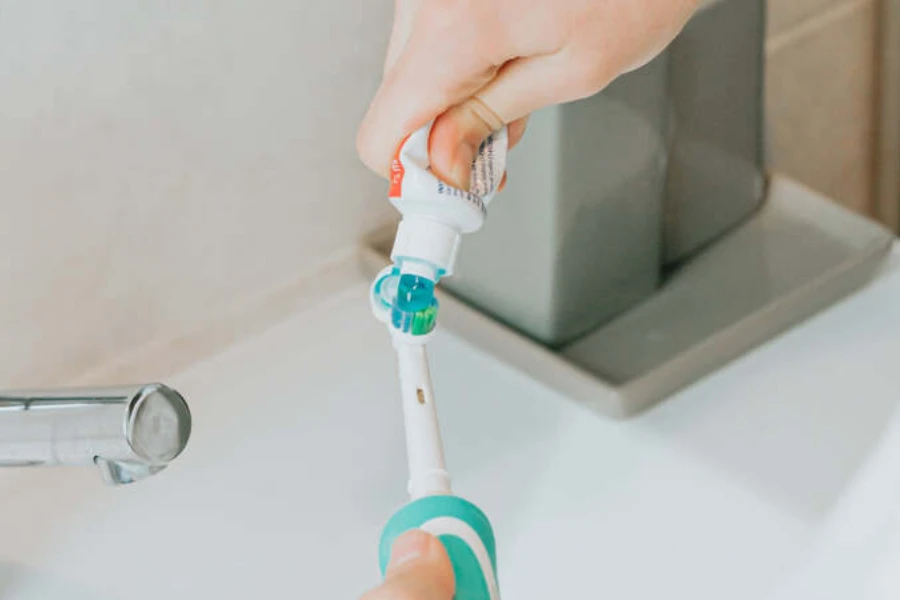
x=457, y=134
x=455, y=138
x=419, y=570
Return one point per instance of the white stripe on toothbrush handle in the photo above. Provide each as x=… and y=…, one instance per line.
x=424, y=449
x=451, y=526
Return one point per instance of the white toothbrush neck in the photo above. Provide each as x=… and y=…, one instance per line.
x=425, y=451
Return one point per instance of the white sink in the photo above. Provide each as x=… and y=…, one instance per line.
x=297, y=460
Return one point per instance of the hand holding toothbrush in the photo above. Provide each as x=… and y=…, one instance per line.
x=405, y=302
x=419, y=570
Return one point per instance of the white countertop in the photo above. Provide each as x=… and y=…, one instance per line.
x=751, y=484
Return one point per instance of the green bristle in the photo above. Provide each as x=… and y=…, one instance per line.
x=423, y=321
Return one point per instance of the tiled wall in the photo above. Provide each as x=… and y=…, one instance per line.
x=162, y=161
x=821, y=95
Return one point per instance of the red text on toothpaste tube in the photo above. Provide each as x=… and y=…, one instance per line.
x=397, y=172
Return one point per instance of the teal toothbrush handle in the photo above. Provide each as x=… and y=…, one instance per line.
x=465, y=533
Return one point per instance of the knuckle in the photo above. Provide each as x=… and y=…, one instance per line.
x=484, y=115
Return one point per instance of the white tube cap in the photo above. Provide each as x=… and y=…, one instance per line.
x=427, y=240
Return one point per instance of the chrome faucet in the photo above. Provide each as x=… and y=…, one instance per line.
x=129, y=432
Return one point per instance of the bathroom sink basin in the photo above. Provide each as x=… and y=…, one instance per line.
x=297, y=460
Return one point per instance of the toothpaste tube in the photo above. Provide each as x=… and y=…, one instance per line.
x=435, y=215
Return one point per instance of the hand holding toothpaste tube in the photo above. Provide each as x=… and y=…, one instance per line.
x=476, y=65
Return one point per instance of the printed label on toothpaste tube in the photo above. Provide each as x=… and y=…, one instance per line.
x=411, y=175
x=488, y=166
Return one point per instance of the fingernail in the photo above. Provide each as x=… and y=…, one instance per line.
x=408, y=547
x=461, y=171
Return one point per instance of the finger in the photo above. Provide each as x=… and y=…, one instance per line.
x=528, y=84
x=421, y=85
x=521, y=87
x=419, y=570
x=516, y=131
x=458, y=133
x=455, y=138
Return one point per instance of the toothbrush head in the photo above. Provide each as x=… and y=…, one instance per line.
x=405, y=302
x=414, y=310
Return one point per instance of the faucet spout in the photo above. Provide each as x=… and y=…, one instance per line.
x=129, y=432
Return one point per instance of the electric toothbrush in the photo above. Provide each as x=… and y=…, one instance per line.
x=461, y=527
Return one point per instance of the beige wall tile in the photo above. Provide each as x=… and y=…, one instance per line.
x=784, y=14
x=161, y=161
x=820, y=100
